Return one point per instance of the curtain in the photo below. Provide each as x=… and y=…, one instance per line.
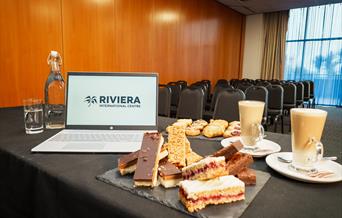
x=275, y=27
x=314, y=50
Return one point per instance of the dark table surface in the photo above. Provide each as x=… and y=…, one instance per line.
x=64, y=185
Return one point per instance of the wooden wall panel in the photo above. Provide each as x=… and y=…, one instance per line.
x=180, y=39
x=29, y=30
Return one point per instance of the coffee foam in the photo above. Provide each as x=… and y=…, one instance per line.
x=251, y=103
x=308, y=112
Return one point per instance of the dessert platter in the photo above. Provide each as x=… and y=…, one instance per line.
x=173, y=174
x=215, y=129
x=262, y=149
x=327, y=171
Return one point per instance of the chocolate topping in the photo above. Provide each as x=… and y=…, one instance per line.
x=128, y=159
x=169, y=170
x=229, y=151
x=148, y=156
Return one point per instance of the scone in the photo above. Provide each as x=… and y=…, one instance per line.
x=188, y=122
x=222, y=123
x=211, y=131
x=191, y=131
x=230, y=132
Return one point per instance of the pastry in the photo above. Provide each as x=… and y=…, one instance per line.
x=230, y=132
x=207, y=168
x=211, y=131
x=147, y=166
x=222, y=123
x=247, y=176
x=196, y=195
x=192, y=131
x=234, y=123
x=169, y=174
x=186, y=122
x=238, y=162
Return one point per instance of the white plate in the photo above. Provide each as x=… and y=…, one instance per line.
x=283, y=168
x=266, y=147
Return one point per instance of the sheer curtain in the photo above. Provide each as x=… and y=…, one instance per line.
x=314, y=50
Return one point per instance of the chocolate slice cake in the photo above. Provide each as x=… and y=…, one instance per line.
x=169, y=174
x=147, y=166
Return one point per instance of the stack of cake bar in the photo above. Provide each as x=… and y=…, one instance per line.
x=216, y=179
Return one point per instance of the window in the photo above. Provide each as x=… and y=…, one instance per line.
x=314, y=50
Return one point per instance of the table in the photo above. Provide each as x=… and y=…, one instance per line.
x=64, y=185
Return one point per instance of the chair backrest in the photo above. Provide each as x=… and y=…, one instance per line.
x=290, y=93
x=175, y=92
x=306, y=90
x=221, y=82
x=164, y=101
x=227, y=106
x=190, y=104
x=312, y=89
x=262, y=83
x=300, y=91
x=275, y=97
x=216, y=92
x=243, y=86
x=204, y=89
x=258, y=93
x=182, y=83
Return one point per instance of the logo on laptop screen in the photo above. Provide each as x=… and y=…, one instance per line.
x=113, y=101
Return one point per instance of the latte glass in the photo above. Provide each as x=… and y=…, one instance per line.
x=306, y=131
x=250, y=119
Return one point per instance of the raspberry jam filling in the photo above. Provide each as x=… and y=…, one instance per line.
x=210, y=197
x=191, y=172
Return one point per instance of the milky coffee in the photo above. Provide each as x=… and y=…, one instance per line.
x=307, y=127
x=250, y=117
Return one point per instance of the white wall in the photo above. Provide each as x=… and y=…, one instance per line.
x=254, y=44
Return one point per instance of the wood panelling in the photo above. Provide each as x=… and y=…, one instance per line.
x=180, y=39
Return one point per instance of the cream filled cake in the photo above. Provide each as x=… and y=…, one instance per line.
x=207, y=168
x=196, y=195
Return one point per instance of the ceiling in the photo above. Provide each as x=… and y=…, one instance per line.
x=248, y=7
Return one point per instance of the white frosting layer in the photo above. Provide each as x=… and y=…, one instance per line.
x=205, y=161
x=219, y=183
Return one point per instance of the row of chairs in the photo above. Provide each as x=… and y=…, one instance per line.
x=196, y=101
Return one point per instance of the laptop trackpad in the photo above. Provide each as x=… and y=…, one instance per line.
x=83, y=146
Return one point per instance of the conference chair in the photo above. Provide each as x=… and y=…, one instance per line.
x=275, y=105
x=243, y=86
x=262, y=83
x=227, y=106
x=299, y=94
x=312, y=94
x=290, y=98
x=216, y=92
x=190, y=104
x=259, y=93
x=306, y=92
x=182, y=83
x=175, y=92
x=164, y=101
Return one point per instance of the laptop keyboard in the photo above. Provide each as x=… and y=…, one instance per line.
x=98, y=137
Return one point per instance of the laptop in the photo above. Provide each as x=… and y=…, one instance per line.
x=106, y=113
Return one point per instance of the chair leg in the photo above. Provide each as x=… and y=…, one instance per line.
x=282, y=123
x=275, y=123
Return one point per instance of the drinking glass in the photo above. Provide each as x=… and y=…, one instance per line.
x=251, y=113
x=33, y=115
x=306, y=130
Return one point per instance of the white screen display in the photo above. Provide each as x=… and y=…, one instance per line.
x=111, y=99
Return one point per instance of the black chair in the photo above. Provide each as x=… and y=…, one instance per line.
x=222, y=82
x=275, y=105
x=259, y=93
x=290, y=96
x=164, y=101
x=182, y=83
x=274, y=81
x=243, y=86
x=216, y=92
x=234, y=82
x=190, y=104
x=227, y=106
x=204, y=88
x=262, y=83
x=306, y=92
x=312, y=94
x=299, y=94
x=175, y=93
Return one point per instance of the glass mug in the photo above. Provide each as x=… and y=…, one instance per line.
x=306, y=131
x=251, y=113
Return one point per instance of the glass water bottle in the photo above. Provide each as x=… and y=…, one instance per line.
x=54, y=94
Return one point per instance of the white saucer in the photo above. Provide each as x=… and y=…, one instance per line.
x=266, y=147
x=283, y=168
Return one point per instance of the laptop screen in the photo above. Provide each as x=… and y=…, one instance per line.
x=112, y=100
